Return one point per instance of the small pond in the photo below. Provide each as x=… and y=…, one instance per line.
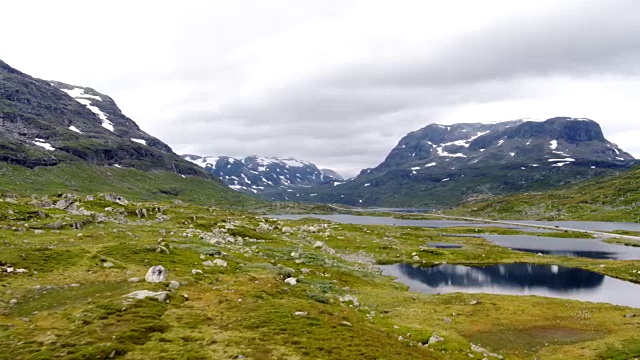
x=585, y=225
x=517, y=279
x=590, y=248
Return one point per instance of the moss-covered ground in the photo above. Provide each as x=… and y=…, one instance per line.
x=69, y=303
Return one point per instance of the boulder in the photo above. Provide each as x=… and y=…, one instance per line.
x=141, y=294
x=291, y=281
x=156, y=274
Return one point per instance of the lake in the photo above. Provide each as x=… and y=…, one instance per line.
x=517, y=279
x=381, y=220
x=590, y=248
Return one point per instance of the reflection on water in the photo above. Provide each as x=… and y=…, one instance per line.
x=518, y=279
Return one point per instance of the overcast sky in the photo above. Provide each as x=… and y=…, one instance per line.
x=337, y=83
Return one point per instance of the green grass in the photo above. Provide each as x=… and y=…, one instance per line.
x=69, y=305
x=130, y=183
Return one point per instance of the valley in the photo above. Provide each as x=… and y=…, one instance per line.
x=113, y=246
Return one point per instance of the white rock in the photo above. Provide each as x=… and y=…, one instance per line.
x=318, y=244
x=174, y=284
x=207, y=263
x=291, y=281
x=156, y=274
x=220, y=262
x=196, y=271
x=416, y=258
x=108, y=264
x=435, y=338
x=141, y=294
x=134, y=280
x=300, y=313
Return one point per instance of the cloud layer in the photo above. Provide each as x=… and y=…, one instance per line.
x=337, y=83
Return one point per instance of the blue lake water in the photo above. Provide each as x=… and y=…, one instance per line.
x=518, y=279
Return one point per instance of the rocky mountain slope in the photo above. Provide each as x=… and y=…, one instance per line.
x=443, y=165
x=269, y=177
x=51, y=124
x=43, y=123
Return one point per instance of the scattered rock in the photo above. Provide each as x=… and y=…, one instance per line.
x=291, y=281
x=474, y=302
x=196, y=271
x=401, y=338
x=318, y=244
x=141, y=294
x=38, y=232
x=349, y=300
x=134, y=280
x=55, y=225
x=207, y=263
x=174, y=285
x=156, y=274
x=116, y=198
x=13, y=302
x=485, y=352
x=346, y=323
x=300, y=313
x=305, y=270
x=435, y=338
x=447, y=320
x=89, y=198
x=107, y=264
x=220, y=262
x=416, y=258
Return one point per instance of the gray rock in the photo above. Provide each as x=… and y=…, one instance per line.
x=134, y=280
x=207, y=263
x=116, y=198
x=13, y=302
x=108, y=264
x=174, y=285
x=629, y=316
x=435, y=338
x=291, y=281
x=156, y=274
x=300, y=313
x=141, y=294
x=447, y=320
x=220, y=262
x=38, y=232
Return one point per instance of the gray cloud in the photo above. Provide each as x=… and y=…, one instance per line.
x=339, y=83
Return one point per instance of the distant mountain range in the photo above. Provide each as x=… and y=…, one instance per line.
x=268, y=177
x=444, y=165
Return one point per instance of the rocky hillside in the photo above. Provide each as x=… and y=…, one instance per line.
x=269, y=177
x=443, y=165
x=43, y=123
x=58, y=137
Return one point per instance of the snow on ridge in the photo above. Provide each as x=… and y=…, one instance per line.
x=139, y=141
x=42, y=143
x=430, y=164
x=105, y=121
x=79, y=93
x=565, y=159
x=73, y=128
x=553, y=144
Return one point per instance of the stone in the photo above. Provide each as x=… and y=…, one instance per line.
x=474, y=302
x=89, y=198
x=349, y=299
x=629, y=316
x=318, y=244
x=300, y=313
x=174, y=284
x=156, y=274
x=141, y=294
x=207, y=263
x=401, y=338
x=416, y=258
x=447, y=320
x=346, y=323
x=62, y=204
x=435, y=338
x=134, y=280
x=108, y=264
x=13, y=302
x=196, y=271
x=38, y=232
x=116, y=198
x=220, y=262
x=305, y=270
x=291, y=281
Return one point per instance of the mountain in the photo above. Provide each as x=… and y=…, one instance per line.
x=272, y=178
x=444, y=165
x=50, y=123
